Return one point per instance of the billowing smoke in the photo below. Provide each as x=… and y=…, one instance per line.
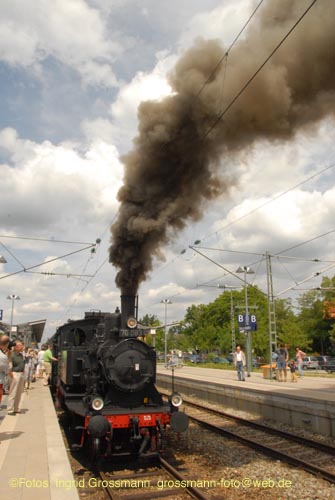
x=176, y=166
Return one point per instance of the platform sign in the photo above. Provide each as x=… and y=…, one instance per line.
x=1, y=314
x=252, y=323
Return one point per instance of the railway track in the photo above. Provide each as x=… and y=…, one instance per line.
x=160, y=481
x=282, y=445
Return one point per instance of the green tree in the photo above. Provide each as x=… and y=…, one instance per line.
x=312, y=321
x=151, y=320
x=207, y=328
x=289, y=328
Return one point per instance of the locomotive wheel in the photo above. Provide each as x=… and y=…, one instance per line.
x=95, y=447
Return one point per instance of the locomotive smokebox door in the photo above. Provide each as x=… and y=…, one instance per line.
x=129, y=365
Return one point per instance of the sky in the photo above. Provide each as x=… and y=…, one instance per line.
x=73, y=75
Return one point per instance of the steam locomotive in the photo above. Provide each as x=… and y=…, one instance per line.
x=105, y=380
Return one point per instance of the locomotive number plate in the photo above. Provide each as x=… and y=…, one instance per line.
x=130, y=333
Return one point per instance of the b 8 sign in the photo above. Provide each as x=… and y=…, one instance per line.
x=252, y=321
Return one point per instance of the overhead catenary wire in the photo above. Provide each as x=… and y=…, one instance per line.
x=271, y=200
x=258, y=262
x=68, y=275
x=47, y=262
x=73, y=303
x=220, y=61
x=49, y=240
x=289, y=257
x=235, y=221
x=282, y=41
x=226, y=269
x=305, y=280
x=277, y=255
x=12, y=254
x=255, y=74
x=246, y=85
x=102, y=236
x=307, y=241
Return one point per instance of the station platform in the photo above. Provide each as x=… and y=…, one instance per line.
x=308, y=404
x=33, y=459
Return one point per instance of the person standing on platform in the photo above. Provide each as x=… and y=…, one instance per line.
x=47, y=361
x=299, y=354
x=282, y=363
x=239, y=362
x=4, y=361
x=28, y=367
x=40, y=362
x=293, y=370
x=16, y=380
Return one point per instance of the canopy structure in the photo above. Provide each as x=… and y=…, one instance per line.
x=30, y=333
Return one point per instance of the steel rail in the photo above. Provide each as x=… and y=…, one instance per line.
x=166, y=468
x=260, y=447
x=269, y=430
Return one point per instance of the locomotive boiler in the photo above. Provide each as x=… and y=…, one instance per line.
x=105, y=379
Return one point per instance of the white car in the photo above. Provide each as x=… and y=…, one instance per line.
x=174, y=362
x=310, y=363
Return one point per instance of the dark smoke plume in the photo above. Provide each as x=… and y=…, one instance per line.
x=173, y=168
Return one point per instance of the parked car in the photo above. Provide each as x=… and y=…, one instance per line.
x=310, y=363
x=258, y=361
x=230, y=357
x=194, y=358
x=189, y=357
x=330, y=366
x=221, y=361
x=325, y=360
x=174, y=362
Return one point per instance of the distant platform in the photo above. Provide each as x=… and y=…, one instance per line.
x=309, y=403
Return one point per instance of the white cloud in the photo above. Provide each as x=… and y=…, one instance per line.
x=69, y=31
x=68, y=185
x=122, y=126
x=288, y=219
x=45, y=307
x=223, y=22
x=124, y=109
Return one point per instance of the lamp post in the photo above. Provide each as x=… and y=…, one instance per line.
x=165, y=302
x=247, y=270
x=153, y=334
x=12, y=297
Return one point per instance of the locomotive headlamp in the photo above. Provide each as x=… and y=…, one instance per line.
x=176, y=399
x=131, y=323
x=97, y=403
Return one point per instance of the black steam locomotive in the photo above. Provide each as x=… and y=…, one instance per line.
x=105, y=379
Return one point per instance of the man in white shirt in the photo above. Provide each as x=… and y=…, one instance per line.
x=40, y=362
x=239, y=362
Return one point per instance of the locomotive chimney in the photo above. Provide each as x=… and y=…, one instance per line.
x=128, y=308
